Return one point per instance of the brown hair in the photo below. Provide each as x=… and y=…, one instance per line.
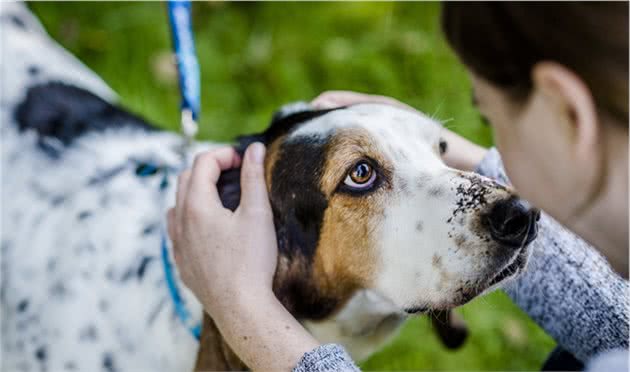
x=502, y=42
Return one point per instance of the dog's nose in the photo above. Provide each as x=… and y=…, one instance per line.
x=512, y=222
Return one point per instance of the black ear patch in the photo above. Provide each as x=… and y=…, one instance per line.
x=65, y=112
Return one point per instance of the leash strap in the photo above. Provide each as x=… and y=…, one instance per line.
x=179, y=15
x=180, y=19
x=173, y=290
x=150, y=169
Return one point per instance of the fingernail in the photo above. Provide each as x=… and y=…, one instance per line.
x=257, y=152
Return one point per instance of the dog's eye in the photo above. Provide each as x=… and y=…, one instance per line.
x=361, y=176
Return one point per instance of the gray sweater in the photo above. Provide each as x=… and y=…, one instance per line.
x=568, y=289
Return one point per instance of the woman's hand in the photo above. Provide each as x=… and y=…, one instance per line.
x=222, y=254
x=228, y=259
x=460, y=153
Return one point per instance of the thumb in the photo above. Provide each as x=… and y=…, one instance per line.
x=254, y=198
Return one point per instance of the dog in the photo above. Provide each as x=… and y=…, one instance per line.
x=372, y=226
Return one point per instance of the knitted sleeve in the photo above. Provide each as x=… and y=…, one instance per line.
x=326, y=358
x=568, y=288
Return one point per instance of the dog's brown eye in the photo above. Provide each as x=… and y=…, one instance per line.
x=361, y=176
x=361, y=173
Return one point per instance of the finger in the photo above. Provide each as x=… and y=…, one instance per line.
x=182, y=188
x=207, y=169
x=329, y=99
x=254, y=197
x=170, y=224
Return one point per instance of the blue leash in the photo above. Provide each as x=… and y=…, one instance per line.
x=179, y=14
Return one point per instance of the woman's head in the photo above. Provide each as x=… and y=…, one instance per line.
x=552, y=78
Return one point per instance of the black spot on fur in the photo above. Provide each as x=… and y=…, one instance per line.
x=57, y=200
x=22, y=306
x=103, y=305
x=65, y=112
x=83, y=215
x=17, y=21
x=419, y=226
x=33, y=70
x=52, y=264
x=149, y=229
x=70, y=366
x=105, y=176
x=108, y=362
x=41, y=354
x=143, y=266
x=130, y=273
x=89, y=333
x=58, y=289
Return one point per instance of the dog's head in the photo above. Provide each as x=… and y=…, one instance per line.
x=362, y=199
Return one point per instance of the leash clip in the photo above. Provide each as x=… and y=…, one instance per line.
x=189, y=126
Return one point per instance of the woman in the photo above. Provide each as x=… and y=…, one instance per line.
x=552, y=79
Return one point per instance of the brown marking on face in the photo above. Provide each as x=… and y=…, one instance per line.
x=346, y=147
x=346, y=258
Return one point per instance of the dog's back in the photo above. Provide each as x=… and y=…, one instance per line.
x=82, y=278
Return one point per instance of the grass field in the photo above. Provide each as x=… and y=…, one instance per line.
x=255, y=57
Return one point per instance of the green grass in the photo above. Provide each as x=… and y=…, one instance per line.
x=255, y=57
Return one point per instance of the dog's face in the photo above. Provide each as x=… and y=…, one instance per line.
x=362, y=199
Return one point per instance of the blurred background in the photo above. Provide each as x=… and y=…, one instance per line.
x=255, y=57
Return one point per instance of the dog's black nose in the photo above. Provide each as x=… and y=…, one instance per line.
x=512, y=222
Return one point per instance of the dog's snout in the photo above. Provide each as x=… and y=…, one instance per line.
x=512, y=222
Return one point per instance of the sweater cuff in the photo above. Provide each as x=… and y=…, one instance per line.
x=324, y=358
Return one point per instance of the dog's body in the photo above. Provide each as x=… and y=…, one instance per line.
x=83, y=281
